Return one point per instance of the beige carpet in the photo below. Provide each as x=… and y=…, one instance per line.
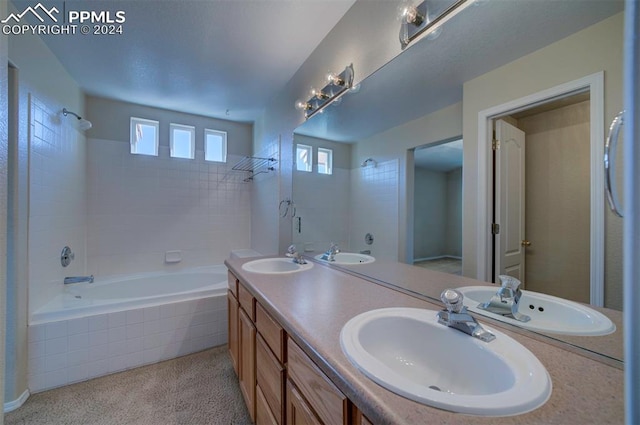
x=200, y=388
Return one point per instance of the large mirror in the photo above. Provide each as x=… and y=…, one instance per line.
x=383, y=172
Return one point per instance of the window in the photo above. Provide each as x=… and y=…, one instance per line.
x=144, y=136
x=182, y=142
x=325, y=161
x=215, y=145
x=304, y=158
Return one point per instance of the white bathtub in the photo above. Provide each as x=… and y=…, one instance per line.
x=110, y=294
x=118, y=323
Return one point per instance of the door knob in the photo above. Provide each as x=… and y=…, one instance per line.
x=525, y=243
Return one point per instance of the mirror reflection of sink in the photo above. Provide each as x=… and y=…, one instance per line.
x=548, y=313
x=348, y=258
x=408, y=352
x=277, y=265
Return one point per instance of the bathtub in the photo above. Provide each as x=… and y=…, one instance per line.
x=117, y=323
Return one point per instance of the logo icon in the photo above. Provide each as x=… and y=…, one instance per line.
x=34, y=11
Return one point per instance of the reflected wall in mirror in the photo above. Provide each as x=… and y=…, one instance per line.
x=434, y=92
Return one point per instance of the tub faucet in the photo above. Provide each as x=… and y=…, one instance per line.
x=293, y=253
x=331, y=253
x=78, y=279
x=456, y=316
x=506, y=301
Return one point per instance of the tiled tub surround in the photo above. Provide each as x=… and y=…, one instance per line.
x=76, y=345
x=312, y=306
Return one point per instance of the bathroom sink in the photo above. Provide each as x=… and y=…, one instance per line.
x=277, y=265
x=408, y=352
x=348, y=258
x=548, y=313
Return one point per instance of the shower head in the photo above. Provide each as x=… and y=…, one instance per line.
x=82, y=123
x=369, y=161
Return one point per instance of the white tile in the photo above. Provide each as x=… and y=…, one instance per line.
x=56, y=346
x=56, y=378
x=56, y=329
x=152, y=341
x=151, y=327
x=77, y=326
x=98, y=368
x=151, y=314
x=78, y=357
x=117, y=319
x=135, y=330
x=98, y=352
x=37, y=366
x=152, y=355
x=55, y=362
x=98, y=338
x=118, y=348
x=78, y=341
x=117, y=334
x=135, y=345
x=135, y=316
x=98, y=323
x=167, y=310
x=37, y=349
x=78, y=373
x=37, y=333
x=37, y=382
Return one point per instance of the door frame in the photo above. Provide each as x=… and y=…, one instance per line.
x=593, y=83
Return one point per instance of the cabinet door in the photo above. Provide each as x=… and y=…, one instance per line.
x=247, y=375
x=264, y=416
x=298, y=411
x=270, y=378
x=233, y=340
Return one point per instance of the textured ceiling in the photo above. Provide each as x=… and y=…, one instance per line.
x=220, y=58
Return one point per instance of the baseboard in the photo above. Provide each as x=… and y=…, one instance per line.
x=438, y=257
x=13, y=405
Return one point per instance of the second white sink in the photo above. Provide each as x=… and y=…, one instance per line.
x=548, y=313
x=348, y=258
x=408, y=352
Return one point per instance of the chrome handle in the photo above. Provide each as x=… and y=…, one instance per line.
x=452, y=300
x=610, y=163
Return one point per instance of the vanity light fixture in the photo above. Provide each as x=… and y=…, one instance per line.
x=428, y=17
x=337, y=85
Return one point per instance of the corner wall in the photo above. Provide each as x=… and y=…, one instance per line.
x=4, y=152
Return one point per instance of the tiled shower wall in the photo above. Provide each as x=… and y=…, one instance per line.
x=141, y=206
x=57, y=199
x=374, y=209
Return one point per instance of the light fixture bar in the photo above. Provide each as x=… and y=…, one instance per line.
x=338, y=86
x=423, y=23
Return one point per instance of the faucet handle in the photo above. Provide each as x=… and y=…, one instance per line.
x=509, y=282
x=291, y=250
x=452, y=299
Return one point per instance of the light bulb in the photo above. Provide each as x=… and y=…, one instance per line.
x=318, y=94
x=303, y=106
x=335, y=79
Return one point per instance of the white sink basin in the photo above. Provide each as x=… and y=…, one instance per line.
x=408, y=352
x=548, y=313
x=348, y=258
x=275, y=266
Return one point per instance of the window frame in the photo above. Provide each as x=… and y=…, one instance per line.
x=133, y=142
x=309, y=150
x=208, y=131
x=329, y=165
x=183, y=127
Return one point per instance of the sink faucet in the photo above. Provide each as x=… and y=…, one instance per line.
x=293, y=253
x=78, y=279
x=456, y=316
x=506, y=301
x=331, y=253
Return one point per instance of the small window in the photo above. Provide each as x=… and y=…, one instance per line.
x=325, y=160
x=144, y=136
x=215, y=145
x=182, y=141
x=304, y=158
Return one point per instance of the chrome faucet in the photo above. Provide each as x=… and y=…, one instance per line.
x=506, y=301
x=331, y=253
x=293, y=253
x=456, y=316
x=78, y=279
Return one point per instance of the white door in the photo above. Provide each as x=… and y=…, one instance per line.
x=510, y=242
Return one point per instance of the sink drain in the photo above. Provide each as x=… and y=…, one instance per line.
x=433, y=387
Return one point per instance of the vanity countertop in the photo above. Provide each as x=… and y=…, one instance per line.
x=312, y=306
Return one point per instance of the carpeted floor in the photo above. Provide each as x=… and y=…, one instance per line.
x=197, y=389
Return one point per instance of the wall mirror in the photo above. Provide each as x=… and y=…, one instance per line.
x=373, y=199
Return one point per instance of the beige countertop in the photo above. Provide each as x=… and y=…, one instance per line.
x=313, y=305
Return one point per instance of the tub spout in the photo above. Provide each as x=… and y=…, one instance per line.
x=78, y=279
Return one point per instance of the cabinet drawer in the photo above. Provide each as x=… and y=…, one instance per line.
x=271, y=331
x=298, y=411
x=327, y=401
x=232, y=283
x=270, y=377
x=263, y=413
x=247, y=302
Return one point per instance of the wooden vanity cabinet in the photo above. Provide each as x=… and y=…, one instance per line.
x=232, y=324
